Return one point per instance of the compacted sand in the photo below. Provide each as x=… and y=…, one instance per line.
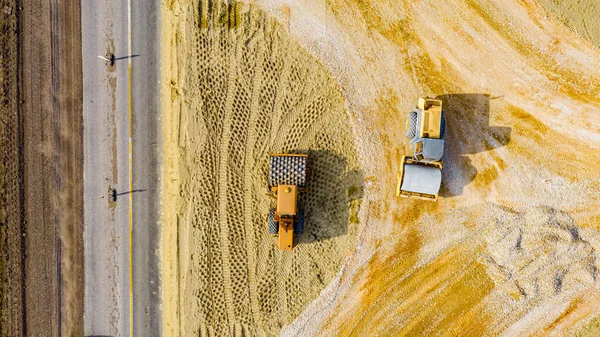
x=510, y=248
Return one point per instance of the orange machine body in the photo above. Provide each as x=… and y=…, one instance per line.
x=286, y=180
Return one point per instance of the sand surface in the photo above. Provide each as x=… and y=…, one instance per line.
x=510, y=248
x=579, y=15
x=249, y=90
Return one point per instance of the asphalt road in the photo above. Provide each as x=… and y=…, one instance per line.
x=122, y=151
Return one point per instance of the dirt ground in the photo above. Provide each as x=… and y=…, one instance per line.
x=10, y=230
x=42, y=181
x=511, y=246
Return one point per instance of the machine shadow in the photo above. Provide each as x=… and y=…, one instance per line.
x=126, y=57
x=117, y=195
x=468, y=132
x=332, y=197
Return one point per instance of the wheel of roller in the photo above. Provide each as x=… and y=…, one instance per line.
x=287, y=170
x=443, y=126
x=273, y=226
x=299, y=224
x=411, y=125
x=300, y=172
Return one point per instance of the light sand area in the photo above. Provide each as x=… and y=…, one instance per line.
x=512, y=245
x=579, y=15
x=244, y=89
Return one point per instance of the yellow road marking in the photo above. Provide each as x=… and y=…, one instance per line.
x=130, y=113
x=130, y=212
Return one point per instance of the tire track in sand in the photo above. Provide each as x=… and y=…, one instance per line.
x=224, y=188
x=250, y=91
x=248, y=183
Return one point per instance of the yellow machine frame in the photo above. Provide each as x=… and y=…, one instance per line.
x=285, y=214
x=429, y=127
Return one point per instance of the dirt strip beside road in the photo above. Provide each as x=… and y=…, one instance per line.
x=40, y=170
x=71, y=167
x=52, y=159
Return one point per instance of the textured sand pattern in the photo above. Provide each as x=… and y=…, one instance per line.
x=250, y=91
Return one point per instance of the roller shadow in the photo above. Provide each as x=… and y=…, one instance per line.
x=126, y=57
x=468, y=132
x=132, y=191
x=332, y=197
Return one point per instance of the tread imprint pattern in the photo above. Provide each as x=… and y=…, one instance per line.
x=251, y=90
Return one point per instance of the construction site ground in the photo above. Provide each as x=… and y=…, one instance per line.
x=510, y=247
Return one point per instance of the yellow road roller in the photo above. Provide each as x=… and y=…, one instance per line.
x=287, y=177
x=420, y=175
